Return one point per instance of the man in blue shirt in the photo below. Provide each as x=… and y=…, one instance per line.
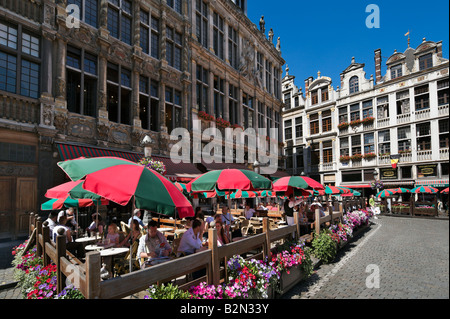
x=137, y=216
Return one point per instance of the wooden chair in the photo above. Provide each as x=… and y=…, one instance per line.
x=122, y=265
x=125, y=228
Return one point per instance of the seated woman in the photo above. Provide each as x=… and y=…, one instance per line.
x=94, y=227
x=133, y=235
x=223, y=231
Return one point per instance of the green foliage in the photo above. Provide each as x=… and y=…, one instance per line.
x=307, y=265
x=324, y=247
x=167, y=292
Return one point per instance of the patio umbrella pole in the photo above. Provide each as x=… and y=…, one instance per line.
x=78, y=225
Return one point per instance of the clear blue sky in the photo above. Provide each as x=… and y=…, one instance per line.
x=325, y=35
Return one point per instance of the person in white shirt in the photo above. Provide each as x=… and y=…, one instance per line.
x=191, y=242
x=154, y=244
x=248, y=211
x=52, y=221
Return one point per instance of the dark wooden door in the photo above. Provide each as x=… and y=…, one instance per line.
x=7, y=191
x=26, y=201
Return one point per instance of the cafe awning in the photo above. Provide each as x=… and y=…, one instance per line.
x=433, y=182
x=72, y=151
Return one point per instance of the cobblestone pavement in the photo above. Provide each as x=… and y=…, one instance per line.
x=8, y=288
x=412, y=256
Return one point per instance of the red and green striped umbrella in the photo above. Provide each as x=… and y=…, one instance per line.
x=425, y=190
x=445, y=191
x=120, y=180
x=401, y=190
x=181, y=186
x=73, y=189
x=203, y=195
x=58, y=203
x=291, y=184
x=229, y=180
x=243, y=194
x=386, y=193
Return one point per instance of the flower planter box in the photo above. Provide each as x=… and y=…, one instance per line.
x=287, y=281
x=425, y=211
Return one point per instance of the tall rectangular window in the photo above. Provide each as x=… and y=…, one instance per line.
x=81, y=82
x=148, y=103
x=369, y=143
x=261, y=114
x=174, y=48
x=326, y=121
x=403, y=103
x=287, y=101
x=144, y=31
x=404, y=139
x=119, y=94
x=202, y=88
x=218, y=36
x=288, y=130
x=19, y=61
x=219, y=96
x=383, y=107
x=314, y=124
x=384, y=142
x=422, y=98
x=233, y=47
x=260, y=65
x=233, y=104
x=356, y=144
x=367, y=109
x=154, y=52
x=314, y=97
x=173, y=108
x=324, y=94
x=247, y=104
x=344, y=146
x=202, y=22
x=442, y=87
x=299, y=127
x=423, y=136
x=120, y=20
x=327, y=153
x=269, y=85
x=443, y=133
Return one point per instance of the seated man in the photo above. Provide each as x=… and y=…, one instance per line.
x=191, y=242
x=248, y=211
x=52, y=221
x=154, y=244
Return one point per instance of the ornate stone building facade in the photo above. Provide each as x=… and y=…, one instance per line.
x=127, y=70
x=402, y=115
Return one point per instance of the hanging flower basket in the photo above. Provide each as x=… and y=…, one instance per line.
x=157, y=166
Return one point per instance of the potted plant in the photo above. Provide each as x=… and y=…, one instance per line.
x=205, y=116
x=324, y=246
x=220, y=122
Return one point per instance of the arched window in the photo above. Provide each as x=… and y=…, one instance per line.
x=354, y=84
